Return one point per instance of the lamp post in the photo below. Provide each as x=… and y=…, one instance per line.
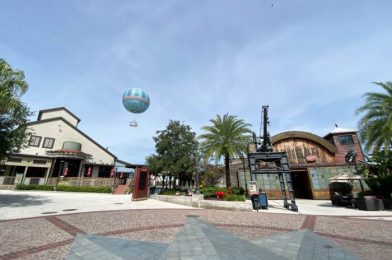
x=197, y=191
x=60, y=172
x=351, y=158
x=243, y=166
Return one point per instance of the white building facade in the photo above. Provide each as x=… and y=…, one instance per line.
x=56, y=148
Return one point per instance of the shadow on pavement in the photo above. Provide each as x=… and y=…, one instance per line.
x=21, y=200
x=327, y=205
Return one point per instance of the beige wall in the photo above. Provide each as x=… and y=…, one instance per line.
x=62, y=132
x=60, y=113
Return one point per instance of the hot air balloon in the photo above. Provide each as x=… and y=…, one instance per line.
x=136, y=101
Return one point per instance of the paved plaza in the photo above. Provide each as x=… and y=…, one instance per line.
x=58, y=226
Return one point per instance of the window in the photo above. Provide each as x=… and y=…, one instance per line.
x=48, y=142
x=346, y=139
x=39, y=161
x=14, y=159
x=35, y=140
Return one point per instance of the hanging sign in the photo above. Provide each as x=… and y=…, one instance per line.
x=311, y=158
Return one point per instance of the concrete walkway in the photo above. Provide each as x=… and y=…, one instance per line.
x=27, y=204
x=200, y=240
x=56, y=225
x=325, y=208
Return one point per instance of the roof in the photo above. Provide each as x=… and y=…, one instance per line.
x=73, y=127
x=129, y=165
x=56, y=109
x=340, y=130
x=304, y=135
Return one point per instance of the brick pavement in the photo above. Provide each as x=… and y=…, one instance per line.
x=51, y=237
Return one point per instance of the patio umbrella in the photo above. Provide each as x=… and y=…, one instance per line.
x=348, y=177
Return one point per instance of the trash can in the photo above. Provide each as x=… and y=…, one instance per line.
x=255, y=201
x=263, y=200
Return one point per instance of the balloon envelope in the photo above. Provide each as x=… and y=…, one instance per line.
x=135, y=100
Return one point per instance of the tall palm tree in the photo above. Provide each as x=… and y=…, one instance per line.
x=227, y=137
x=375, y=127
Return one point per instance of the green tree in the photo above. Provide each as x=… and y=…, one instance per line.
x=375, y=127
x=175, y=148
x=154, y=163
x=211, y=174
x=13, y=112
x=226, y=137
x=379, y=164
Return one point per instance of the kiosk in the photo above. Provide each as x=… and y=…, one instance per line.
x=140, y=191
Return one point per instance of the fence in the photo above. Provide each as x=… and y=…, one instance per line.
x=107, y=182
x=7, y=180
x=81, y=181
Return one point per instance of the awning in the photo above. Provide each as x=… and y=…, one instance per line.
x=74, y=154
x=346, y=177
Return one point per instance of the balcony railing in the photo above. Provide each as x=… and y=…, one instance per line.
x=7, y=180
x=72, y=181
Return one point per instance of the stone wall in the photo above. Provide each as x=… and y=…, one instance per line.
x=192, y=201
x=198, y=201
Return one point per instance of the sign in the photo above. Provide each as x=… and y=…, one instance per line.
x=311, y=158
x=65, y=172
x=253, y=187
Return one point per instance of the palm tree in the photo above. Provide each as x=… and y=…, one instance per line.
x=375, y=127
x=226, y=137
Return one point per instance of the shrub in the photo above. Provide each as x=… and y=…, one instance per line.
x=238, y=191
x=381, y=186
x=96, y=189
x=210, y=191
x=168, y=192
x=220, y=194
x=234, y=197
x=34, y=187
x=181, y=190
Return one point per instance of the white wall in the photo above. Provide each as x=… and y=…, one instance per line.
x=62, y=132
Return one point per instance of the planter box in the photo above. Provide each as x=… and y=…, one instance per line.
x=387, y=203
x=370, y=203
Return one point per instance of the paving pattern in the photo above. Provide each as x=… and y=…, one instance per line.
x=52, y=237
x=200, y=240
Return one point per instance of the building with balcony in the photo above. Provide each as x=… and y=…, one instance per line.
x=57, y=148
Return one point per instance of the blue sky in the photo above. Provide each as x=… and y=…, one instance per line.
x=310, y=61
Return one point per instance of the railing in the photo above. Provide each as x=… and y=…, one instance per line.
x=12, y=180
x=108, y=182
x=34, y=180
x=7, y=180
x=115, y=184
x=74, y=181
